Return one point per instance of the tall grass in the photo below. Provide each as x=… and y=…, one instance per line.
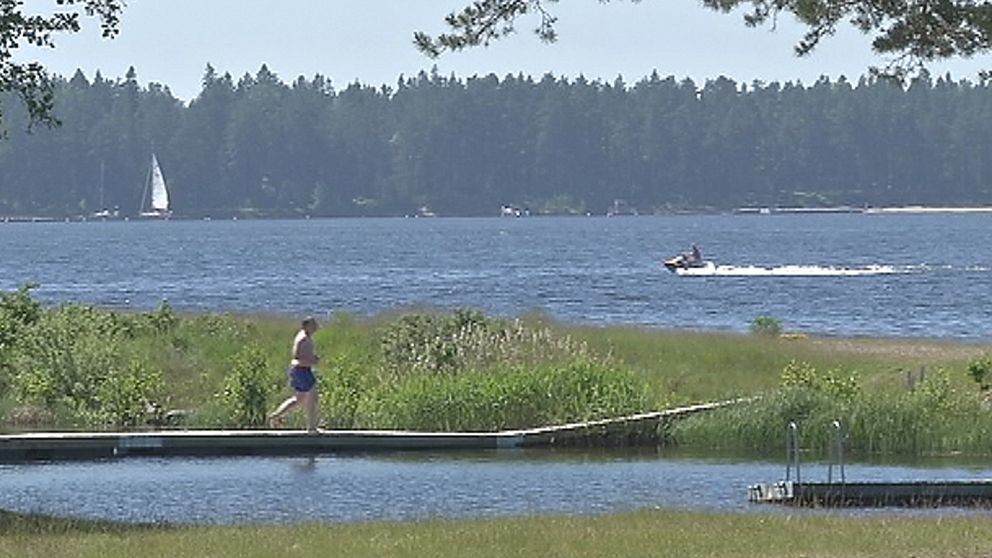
x=932, y=418
x=76, y=366
x=681, y=534
x=702, y=366
x=468, y=372
x=90, y=368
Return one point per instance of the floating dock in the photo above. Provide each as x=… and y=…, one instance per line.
x=874, y=494
x=60, y=446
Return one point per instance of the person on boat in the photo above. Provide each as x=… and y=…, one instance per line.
x=301, y=377
x=695, y=256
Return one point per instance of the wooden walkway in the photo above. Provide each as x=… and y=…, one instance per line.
x=46, y=446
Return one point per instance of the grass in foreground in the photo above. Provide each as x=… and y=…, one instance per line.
x=678, y=534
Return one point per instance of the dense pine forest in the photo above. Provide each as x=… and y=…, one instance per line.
x=469, y=146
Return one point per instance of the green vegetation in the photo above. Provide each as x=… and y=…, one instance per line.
x=932, y=417
x=766, y=325
x=909, y=37
x=83, y=367
x=258, y=146
x=686, y=535
x=980, y=371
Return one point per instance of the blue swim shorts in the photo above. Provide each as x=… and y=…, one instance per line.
x=301, y=378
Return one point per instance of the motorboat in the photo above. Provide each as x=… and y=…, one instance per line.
x=684, y=262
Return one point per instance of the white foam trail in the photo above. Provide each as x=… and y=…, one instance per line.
x=711, y=269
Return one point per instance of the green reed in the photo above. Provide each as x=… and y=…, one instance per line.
x=933, y=417
x=78, y=366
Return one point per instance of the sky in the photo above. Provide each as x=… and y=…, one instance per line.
x=171, y=42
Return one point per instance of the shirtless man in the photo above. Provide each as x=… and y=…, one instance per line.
x=301, y=377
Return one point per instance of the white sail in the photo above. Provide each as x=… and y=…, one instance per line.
x=160, y=195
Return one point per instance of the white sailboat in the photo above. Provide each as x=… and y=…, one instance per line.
x=155, y=192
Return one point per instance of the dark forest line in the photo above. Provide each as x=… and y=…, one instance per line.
x=469, y=146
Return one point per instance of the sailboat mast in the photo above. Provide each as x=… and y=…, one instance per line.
x=102, y=176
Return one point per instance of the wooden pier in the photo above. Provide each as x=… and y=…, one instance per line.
x=875, y=494
x=58, y=446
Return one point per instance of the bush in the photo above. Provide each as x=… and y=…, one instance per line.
x=72, y=361
x=128, y=394
x=980, y=371
x=17, y=312
x=246, y=389
x=766, y=325
x=344, y=382
x=467, y=341
x=836, y=383
x=429, y=342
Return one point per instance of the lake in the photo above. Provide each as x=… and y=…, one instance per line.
x=420, y=486
x=840, y=274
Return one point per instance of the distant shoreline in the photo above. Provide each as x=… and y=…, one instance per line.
x=908, y=209
x=756, y=210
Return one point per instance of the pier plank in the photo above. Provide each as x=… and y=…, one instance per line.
x=43, y=446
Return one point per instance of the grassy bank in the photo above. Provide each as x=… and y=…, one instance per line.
x=82, y=367
x=642, y=534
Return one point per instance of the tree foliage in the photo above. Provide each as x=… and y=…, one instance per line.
x=30, y=82
x=912, y=32
x=260, y=146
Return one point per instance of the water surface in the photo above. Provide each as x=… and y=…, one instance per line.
x=581, y=269
x=413, y=486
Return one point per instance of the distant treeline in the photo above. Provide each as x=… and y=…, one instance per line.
x=468, y=146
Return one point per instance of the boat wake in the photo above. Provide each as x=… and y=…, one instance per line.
x=711, y=270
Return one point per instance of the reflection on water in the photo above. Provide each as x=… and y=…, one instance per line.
x=405, y=486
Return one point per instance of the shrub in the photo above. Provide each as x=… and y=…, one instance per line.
x=128, y=394
x=837, y=383
x=17, y=312
x=246, y=389
x=429, y=342
x=72, y=361
x=766, y=325
x=467, y=341
x=344, y=382
x=980, y=371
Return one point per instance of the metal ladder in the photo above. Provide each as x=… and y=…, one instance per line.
x=792, y=451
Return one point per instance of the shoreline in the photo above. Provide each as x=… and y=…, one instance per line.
x=744, y=210
x=867, y=210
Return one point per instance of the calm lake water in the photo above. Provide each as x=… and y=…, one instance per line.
x=885, y=275
x=847, y=274
x=414, y=486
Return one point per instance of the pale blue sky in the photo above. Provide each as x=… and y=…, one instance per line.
x=171, y=41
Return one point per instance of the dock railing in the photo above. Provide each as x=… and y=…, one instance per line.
x=836, y=452
x=835, y=457
x=792, y=451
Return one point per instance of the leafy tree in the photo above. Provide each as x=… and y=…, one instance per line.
x=30, y=82
x=469, y=146
x=913, y=32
